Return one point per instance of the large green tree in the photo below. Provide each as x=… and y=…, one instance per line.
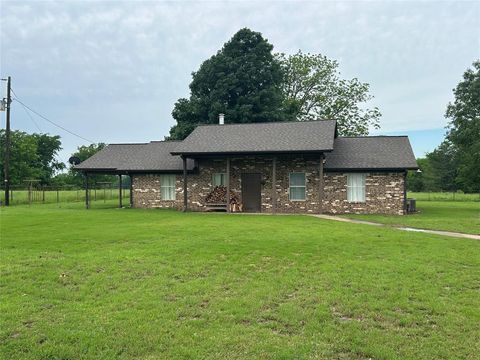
x=313, y=89
x=243, y=81
x=464, y=128
x=32, y=156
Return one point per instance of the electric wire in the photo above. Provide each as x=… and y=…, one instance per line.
x=26, y=112
x=50, y=121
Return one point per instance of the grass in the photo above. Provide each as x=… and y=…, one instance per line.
x=51, y=196
x=458, y=216
x=153, y=284
x=444, y=196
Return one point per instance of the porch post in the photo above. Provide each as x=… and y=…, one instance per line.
x=131, y=190
x=274, y=185
x=320, y=185
x=227, y=180
x=185, y=196
x=405, y=210
x=87, y=202
x=120, y=204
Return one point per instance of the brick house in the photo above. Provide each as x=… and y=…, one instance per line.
x=277, y=167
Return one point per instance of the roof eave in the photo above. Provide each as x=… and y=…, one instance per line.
x=267, y=152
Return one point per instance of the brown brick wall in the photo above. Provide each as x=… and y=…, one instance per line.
x=383, y=194
x=384, y=191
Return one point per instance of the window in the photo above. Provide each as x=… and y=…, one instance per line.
x=297, y=186
x=356, y=187
x=219, y=179
x=167, y=187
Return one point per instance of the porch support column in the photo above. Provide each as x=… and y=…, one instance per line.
x=131, y=190
x=120, y=203
x=185, y=195
x=227, y=180
x=87, y=200
x=320, y=185
x=405, y=212
x=274, y=184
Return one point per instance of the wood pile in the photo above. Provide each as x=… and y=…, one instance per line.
x=219, y=196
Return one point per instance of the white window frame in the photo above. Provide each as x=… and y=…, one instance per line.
x=224, y=178
x=169, y=188
x=290, y=186
x=352, y=189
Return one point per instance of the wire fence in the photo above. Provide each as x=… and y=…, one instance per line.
x=443, y=196
x=40, y=194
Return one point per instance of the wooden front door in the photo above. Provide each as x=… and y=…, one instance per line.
x=251, y=192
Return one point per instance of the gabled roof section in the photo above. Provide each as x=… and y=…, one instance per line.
x=147, y=157
x=275, y=137
x=371, y=153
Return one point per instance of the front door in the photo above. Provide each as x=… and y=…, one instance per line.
x=251, y=192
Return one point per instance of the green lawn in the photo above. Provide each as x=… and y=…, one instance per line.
x=461, y=216
x=153, y=284
x=52, y=195
x=444, y=196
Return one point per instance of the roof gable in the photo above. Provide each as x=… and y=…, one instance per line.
x=153, y=156
x=275, y=137
x=370, y=153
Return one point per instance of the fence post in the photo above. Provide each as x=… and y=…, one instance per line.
x=30, y=194
x=43, y=194
x=95, y=192
x=58, y=200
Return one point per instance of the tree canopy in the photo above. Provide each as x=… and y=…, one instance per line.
x=248, y=83
x=32, y=156
x=313, y=89
x=455, y=163
x=464, y=128
x=243, y=81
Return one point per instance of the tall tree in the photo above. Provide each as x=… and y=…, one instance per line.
x=242, y=81
x=441, y=173
x=47, y=151
x=33, y=156
x=464, y=128
x=313, y=89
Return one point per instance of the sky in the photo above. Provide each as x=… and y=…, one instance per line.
x=112, y=71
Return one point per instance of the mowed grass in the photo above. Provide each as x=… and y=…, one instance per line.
x=443, y=196
x=459, y=216
x=51, y=196
x=153, y=284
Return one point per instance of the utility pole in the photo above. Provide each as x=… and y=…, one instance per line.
x=6, y=162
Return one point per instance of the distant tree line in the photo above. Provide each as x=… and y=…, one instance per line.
x=35, y=157
x=455, y=164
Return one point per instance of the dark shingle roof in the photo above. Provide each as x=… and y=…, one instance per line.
x=370, y=153
x=153, y=156
x=279, y=137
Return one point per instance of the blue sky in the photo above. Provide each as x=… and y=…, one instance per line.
x=112, y=71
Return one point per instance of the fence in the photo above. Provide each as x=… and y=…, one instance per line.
x=38, y=194
x=444, y=196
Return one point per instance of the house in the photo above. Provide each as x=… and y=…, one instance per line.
x=277, y=167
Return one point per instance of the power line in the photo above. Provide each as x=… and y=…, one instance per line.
x=51, y=122
x=29, y=115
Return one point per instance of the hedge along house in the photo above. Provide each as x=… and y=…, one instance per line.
x=277, y=167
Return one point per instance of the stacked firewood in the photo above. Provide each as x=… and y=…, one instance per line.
x=219, y=196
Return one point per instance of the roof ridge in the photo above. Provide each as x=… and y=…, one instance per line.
x=370, y=136
x=270, y=122
x=127, y=144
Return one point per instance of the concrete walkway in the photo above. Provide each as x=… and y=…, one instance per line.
x=363, y=222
